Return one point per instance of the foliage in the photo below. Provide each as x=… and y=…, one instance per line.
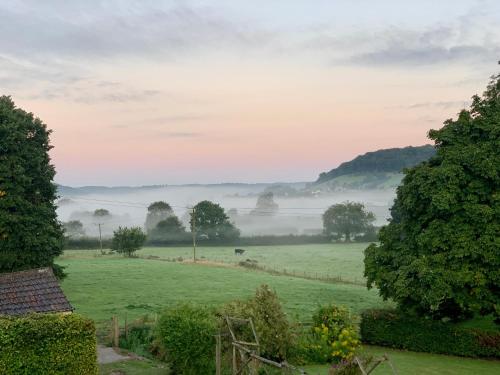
x=126, y=241
x=388, y=160
x=265, y=206
x=211, y=221
x=30, y=234
x=170, y=229
x=403, y=331
x=187, y=334
x=157, y=211
x=274, y=331
x=334, y=337
x=346, y=220
x=439, y=254
x=86, y=243
x=73, y=228
x=47, y=344
x=101, y=212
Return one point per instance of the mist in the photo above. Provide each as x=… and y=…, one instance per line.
x=294, y=215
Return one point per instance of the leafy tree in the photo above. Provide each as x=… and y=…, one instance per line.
x=266, y=206
x=346, y=220
x=102, y=213
x=439, y=255
x=127, y=241
x=169, y=229
x=157, y=211
x=74, y=228
x=30, y=234
x=212, y=222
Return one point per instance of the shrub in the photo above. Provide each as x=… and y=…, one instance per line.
x=399, y=330
x=334, y=337
x=187, y=335
x=128, y=240
x=274, y=331
x=47, y=344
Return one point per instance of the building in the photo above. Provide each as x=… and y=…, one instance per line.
x=32, y=291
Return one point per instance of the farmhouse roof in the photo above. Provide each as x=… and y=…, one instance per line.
x=35, y=290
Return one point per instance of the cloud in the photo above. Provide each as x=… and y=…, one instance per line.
x=442, y=104
x=113, y=29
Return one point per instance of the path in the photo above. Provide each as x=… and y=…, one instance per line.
x=108, y=355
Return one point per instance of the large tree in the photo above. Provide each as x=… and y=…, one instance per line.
x=157, y=211
x=170, y=229
x=440, y=254
x=265, y=206
x=30, y=234
x=211, y=221
x=346, y=220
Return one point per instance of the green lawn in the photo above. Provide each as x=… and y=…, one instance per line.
x=103, y=286
x=411, y=363
x=333, y=260
x=135, y=367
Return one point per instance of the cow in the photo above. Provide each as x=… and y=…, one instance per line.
x=238, y=251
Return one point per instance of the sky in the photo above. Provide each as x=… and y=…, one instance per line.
x=172, y=92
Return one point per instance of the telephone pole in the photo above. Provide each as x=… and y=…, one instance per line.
x=100, y=237
x=193, y=232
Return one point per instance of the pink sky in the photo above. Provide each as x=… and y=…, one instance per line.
x=239, y=103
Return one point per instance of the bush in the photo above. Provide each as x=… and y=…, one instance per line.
x=47, y=344
x=127, y=240
x=274, y=331
x=398, y=330
x=187, y=335
x=334, y=337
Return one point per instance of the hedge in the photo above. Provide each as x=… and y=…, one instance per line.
x=397, y=330
x=52, y=344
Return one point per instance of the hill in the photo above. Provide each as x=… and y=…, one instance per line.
x=392, y=160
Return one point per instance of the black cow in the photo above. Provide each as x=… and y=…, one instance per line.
x=238, y=251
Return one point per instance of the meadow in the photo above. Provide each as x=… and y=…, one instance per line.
x=100, y=286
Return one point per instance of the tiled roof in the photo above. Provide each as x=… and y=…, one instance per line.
x=29, y=291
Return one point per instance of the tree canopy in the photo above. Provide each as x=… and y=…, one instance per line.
x=169, y=229
x=346, y=220
x=211, y=221
x=73, y=228
x=265, y=206
x=157, y=211
x=439, y=255
x=127, y=241
x=30, y=234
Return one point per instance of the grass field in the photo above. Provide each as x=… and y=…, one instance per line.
x=103, y=286
x=322, y=260
x=411, y=363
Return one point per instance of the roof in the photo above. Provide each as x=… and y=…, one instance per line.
x=35, y=290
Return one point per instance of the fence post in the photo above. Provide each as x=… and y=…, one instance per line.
x=116, y=332
x=217, y=355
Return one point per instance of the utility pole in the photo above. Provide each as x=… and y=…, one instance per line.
x=100, y=237
x=193, y=231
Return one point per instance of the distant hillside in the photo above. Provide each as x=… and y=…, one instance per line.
x=392, y=160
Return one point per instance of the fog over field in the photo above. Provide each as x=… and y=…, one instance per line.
x=296, y=215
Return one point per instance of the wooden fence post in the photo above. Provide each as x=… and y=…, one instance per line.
x=217, y=355
x=116, y=332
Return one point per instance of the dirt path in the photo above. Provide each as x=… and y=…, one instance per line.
x=108, y=355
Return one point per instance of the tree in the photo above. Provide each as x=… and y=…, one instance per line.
x=30, y=234
x=102, y=213
x=212, y=222
x=127, y=241
x=439, y=254
x=73, y=228
x=169, y=229
x=347, y=220
x=266, y=206
x=157, y=211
